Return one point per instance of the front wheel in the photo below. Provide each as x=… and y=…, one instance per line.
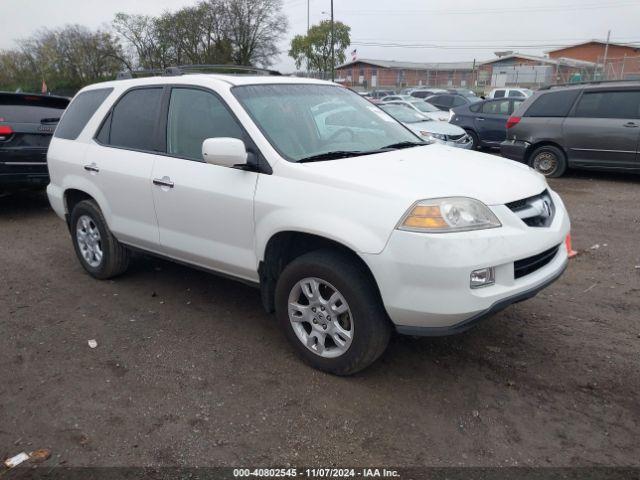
x=474, y=138
x=549, y=161
x=331, y=312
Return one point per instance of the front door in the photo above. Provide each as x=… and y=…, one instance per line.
x=205, y=212
x=603, y=129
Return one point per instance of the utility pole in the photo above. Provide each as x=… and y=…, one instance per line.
x=606, y=52
x=308, y=27
x=333, y=49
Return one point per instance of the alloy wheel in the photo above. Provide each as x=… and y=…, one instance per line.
x=320, y=317
x=89, y=241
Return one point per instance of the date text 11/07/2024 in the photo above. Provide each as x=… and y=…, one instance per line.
x=316, y=472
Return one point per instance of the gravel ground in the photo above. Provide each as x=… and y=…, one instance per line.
x=189, y=370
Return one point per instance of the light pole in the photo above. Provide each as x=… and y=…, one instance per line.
x=333, y=49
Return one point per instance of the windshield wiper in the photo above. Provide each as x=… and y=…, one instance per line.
x=400, y=145
x=331, y=155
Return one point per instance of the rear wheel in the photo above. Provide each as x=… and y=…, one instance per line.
x=549, y=161
x=99, y=252
x=331, y=312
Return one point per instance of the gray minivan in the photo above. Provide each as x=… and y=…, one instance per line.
x=593, y=125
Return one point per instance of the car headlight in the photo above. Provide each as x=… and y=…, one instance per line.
x=451, y=214
x=432, y=137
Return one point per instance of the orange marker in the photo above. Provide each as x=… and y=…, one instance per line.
x=570, y=251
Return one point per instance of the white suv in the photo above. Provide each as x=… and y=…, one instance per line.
x=349, y=224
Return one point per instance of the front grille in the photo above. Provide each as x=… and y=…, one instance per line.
x=531, y=264
x=536, y=211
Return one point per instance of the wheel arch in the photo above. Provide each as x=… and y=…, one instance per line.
x=285, y=246
x=544, y=143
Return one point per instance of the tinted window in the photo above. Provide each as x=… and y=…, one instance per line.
x=80, y=112
x=500, y=107
x=498, y=94
x=30, y=108
x=515, y=93
x=457, y=101
x=441, y=100
x=134, y=120
x=421, y=94
x=475, y=108
x=609, y=105
x=553, y=104
x=195, y=115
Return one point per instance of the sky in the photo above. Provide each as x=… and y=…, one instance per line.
x=404, y=30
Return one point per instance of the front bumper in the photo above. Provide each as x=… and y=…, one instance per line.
x=514, y=150
x=424, y=278
x=465, y=143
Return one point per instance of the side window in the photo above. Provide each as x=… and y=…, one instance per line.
x=622, y=104
x=499, y=94
x=552, y=104
x=500, y=107
x=457, y=101
x=132, y=122
x=516, y=93
x=476, y=107
x=80, y=112
x=194, y=116
x=515, y=104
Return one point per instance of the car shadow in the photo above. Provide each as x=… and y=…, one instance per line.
x=24, y=203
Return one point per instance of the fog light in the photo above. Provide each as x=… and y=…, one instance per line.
x=483, y=277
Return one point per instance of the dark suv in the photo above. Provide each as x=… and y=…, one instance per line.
x=594, y=126
x=27, y=122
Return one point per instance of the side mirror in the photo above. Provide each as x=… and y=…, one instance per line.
x=226, y=152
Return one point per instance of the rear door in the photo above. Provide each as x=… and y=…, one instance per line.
x=603, y=129
x=491, y=121
x=121, y=162
x=26, y=125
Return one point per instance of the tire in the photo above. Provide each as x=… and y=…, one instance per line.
x=474, y=137
x=548, y=160
x=87, y=218
x=366, y=317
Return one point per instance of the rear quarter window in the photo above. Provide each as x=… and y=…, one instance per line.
x=553, y=104
x=80, y=112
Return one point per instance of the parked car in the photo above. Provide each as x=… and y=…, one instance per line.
x=431, y=131
x=426, y=92
x=27, y=122
x=447, y=101
x=510, y=92
x=346, y=221
x=424, y=108
x=462, y=91
x=593, y=126
x=379, y=94
x=486, y=121
x=392, y=98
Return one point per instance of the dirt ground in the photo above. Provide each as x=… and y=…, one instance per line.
x=189, y=370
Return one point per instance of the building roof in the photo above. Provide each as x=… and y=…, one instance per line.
x=570, y=62
x=602, y=42
x=392, y=64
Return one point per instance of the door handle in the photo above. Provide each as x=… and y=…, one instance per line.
x=631, y=125
x=93, y=168
x=480, y=119
x=163, y=182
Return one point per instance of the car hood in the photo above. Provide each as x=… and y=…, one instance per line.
x=442, y=128
x=430, y=171
x=440, y=116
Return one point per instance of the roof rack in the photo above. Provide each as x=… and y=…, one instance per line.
x=577, y=84
x=204, y=68
x=219, y=68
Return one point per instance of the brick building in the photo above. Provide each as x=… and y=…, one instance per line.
x=370, y=74
x=622, y=63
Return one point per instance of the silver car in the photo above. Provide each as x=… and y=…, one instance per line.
x=429, y=130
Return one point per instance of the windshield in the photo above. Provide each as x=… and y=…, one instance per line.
x=425, y=107
x=404, y=114
x=303, y=121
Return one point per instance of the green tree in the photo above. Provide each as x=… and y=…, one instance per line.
x=314, y=48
